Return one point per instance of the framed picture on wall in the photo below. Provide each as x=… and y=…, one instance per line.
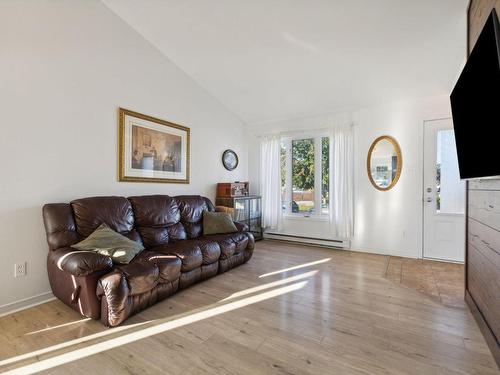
x=152, y=150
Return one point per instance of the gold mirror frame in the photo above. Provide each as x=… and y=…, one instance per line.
x=400, y=162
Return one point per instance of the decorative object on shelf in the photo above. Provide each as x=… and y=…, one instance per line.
x=152, y=150
x=230, y=160
x=384, y=163
x=233, y=189
x=244, y=209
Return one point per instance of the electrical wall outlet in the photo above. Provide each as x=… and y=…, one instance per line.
x=20, y=269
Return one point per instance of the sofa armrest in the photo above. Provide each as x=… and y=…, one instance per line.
x=242, y=227
x=79, y=262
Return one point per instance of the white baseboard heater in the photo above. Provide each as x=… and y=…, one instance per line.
x=335, y=244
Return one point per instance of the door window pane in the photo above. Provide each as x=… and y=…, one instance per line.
x=303, y=176
x=325, y=175
x=449, y=187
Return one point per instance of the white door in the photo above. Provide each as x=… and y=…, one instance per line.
x=444, y=194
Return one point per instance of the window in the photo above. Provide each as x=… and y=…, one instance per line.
x=325, y=175
x=305, y=176
x=449, y=188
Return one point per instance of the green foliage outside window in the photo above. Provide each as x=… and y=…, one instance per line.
x=325, y=176
x=303, y=164
x=283, y=165
x=303, y=172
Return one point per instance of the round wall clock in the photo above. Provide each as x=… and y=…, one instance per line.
x=230, y=160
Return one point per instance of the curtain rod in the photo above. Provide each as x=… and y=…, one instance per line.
x=298, y=132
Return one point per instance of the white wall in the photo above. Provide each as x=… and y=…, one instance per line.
x=385, y=222
x=65, y=68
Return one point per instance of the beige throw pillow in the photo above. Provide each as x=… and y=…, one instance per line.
x=106, y=241
x=218, y=223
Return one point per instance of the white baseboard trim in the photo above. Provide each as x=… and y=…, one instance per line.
x=25, y=303
x=329, y=243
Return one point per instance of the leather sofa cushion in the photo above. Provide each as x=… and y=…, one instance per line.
x=189, y=252
x=210, y=250
x=192, y=208
x=140, y=276
x=231, y=262
x=230, y=244
x=155, y=210
x=176, y=232
x=59, y=225
x=79, y=263
x=193, y=230
x=157, y=218
x=227, y=246
x=169, y=266
x=241, y=227
x=116, y=212
x=148, y=270
x=153, y=236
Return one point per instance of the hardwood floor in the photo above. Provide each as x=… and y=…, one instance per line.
x=331, y=312
x=441, y=281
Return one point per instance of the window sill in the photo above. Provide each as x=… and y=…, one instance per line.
x=306, y=218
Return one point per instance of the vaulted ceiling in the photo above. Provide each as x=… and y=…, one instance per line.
x=276, y=59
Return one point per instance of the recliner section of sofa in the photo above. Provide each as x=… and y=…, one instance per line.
x=177, y=254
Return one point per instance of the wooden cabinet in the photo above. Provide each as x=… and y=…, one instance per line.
x=482, y=263
x=232, y=189
x=483, y=278
x=247, y=210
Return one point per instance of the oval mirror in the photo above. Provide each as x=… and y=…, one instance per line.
x=384, y=163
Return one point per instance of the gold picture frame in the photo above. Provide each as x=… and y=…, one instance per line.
x=399, y=165
x=151, y=149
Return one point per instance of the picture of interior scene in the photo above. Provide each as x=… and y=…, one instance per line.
x=155, y=150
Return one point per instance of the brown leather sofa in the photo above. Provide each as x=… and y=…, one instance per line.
x=177, y=253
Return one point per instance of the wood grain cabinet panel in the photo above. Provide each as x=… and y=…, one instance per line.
x=479, y=11
x=486, y=240
x=482, y=267
x=484, y=286
x=484, y=207
x=483, y=262
x=484, y=184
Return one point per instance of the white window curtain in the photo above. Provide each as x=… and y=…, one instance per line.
x=342, y=182
x=270, y=181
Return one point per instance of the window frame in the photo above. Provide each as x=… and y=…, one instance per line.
x=318, y=171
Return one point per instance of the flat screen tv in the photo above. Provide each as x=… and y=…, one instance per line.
x=475, y=105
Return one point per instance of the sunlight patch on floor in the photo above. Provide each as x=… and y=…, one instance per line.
x=296, y=267
x=271, y=285
x=69, y=343
x=143, y=333
x=58, y=326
